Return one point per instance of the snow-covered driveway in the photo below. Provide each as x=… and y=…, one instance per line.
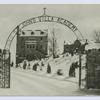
x=27, y=83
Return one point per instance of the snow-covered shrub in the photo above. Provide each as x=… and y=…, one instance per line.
x=59, y=72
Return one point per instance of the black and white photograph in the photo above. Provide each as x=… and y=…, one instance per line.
x=49, y=49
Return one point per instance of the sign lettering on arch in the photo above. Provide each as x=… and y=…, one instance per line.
x=49, y=19
x=43, y=18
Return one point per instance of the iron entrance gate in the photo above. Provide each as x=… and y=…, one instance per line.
x=5, y=69
x=93, y=69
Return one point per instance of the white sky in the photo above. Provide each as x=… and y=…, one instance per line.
x=85, y=17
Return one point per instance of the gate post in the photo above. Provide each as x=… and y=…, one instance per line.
x=1, y=64
x=80, y=65
x=6, y=69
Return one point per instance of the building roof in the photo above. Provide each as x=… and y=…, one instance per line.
x=92, y=45
x=33, y=33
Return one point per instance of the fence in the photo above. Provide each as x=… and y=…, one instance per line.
x=5, y=69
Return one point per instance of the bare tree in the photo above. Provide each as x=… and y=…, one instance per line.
x=96, y=36
x=53, y=47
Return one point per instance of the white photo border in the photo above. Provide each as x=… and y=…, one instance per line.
x=50, y=2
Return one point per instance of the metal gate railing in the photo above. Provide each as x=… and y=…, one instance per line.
x=93, y=69
x=5, y=69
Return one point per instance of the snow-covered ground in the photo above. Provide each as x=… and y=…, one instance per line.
x=28, y=82
x=63, y=62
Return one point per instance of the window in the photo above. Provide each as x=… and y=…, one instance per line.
x=36, y=47
x=27, y=46
x=0, y=51
x=22, y=46
x=33, y=46
x=23, y=33
x=40, y=46
x=32, y=33
x=30, y=46
x=41, y=38
x=42, y=33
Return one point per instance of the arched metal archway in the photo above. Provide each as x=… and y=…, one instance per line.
x=43, y=18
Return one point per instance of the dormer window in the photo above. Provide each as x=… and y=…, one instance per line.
x=42, y=33
x=32, y=33
x=23, y=33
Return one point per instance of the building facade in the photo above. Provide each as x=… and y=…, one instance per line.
x=31, y=45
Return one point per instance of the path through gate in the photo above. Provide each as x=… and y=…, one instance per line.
x=4, y=69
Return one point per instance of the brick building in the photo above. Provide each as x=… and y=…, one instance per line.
x=31, y=45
